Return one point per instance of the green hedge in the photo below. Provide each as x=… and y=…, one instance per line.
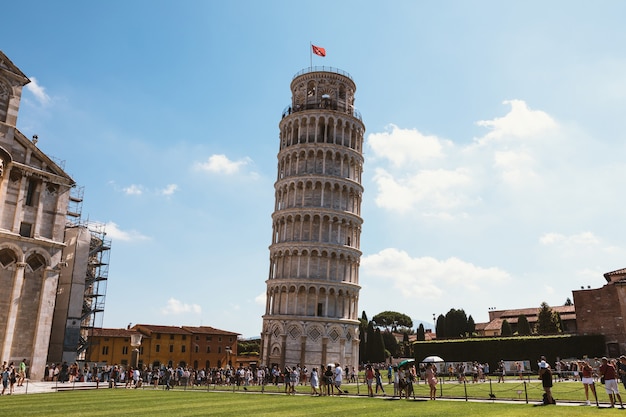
x=494, y=349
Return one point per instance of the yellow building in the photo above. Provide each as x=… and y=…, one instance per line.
x=197, y=347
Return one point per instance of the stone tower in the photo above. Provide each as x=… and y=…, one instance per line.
x=311, y=315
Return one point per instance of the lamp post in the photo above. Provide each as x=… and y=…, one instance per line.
x=135, y=342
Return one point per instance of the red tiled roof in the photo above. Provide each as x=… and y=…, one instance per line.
x=209, y=330
x=619, y=272
x=99, y=331
x=148, y=329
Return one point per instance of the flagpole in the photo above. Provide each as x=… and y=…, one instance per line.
x=311, y=53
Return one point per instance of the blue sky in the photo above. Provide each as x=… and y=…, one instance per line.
x=495, y=144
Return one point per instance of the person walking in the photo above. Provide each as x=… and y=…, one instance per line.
x=608, y=372
x=431, y=380
x=315, y=382
x=379, y=381
x=587, y=379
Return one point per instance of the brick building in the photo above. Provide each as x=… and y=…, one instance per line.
x=496, y=317
x=198, y=347
x=602, y=311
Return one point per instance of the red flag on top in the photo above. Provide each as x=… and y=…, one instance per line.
x=319, y=51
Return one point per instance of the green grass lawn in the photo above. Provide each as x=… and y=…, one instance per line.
x=197, y=402
x=530, y=389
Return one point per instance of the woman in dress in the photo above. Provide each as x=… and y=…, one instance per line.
x=431, y=379
x=315, y=382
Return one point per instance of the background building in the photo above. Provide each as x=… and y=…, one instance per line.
x=198, y=347
x=311, y=315
x=496, y=317
x=603, y=311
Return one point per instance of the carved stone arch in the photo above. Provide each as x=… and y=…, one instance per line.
x=36, y=261
x=275, y=350
x=9, y=255
x=278, y=328
x=311, y=88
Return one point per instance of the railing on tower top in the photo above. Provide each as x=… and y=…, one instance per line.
x=323, y=69
x=316, y=106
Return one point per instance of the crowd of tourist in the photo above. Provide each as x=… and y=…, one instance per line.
x=328, y=378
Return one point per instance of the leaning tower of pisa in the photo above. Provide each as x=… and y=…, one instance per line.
x=311, y=315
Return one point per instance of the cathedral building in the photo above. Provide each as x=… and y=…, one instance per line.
x=311, y=316
x=39, y=284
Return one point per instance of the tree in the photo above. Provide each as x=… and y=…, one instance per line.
x=557, y=322
x=471, y=326
x=378, y=348
x=505, y=330
x=546, y=322
x=370, y=343
x=456, y=323
x=421, y=333
x=391, y=320
x=440, y=327
x=362, y=331
x=523, y=327
x=568, y=302
x=391, y=344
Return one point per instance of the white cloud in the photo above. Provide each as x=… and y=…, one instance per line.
x=261, y=299
x=221, y=165
x=520, y=123
x=432, y=190
x=38, y=91
x=169, y=190
x=434, y=177
x=133, y=190
x=403, y=147
x=581, y=239
x=427, y=277
x=115, y=233
x=176, y=307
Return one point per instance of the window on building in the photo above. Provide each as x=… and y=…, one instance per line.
x=26, y=229
x=219, y=349
x=219, y=339
x=157, y=348
x=208, y=349
x=124, y=350
x=31, y=193
x=230, y=340
x=158, y=335
x=197, y=349
x=105, y=350
x=171, y=337
x=197, y=337
x=183, y=348
x=184, y=337
x=209, y=338
x=319, y=309
x=171, y=348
